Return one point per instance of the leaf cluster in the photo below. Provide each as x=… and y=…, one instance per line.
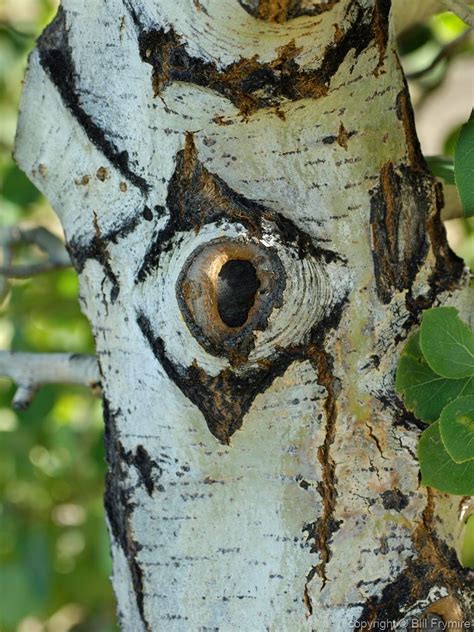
x=435, y=377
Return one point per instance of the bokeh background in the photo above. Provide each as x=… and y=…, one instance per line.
x=54, y=554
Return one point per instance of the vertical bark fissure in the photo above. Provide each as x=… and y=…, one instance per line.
x=406, y=116
x=323, y=529
x=326, y=525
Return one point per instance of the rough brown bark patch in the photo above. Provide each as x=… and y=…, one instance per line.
x=294, y=9
x=434, y=565
x=400, y=205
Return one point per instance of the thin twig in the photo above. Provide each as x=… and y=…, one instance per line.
x=461, y=8
x=29, y=371
x=445, y=52
x=50, y=244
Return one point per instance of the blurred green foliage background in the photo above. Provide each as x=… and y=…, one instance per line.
x=54, y=553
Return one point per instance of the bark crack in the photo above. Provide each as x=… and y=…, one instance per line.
x=324, y=528
x=407, y=448
x=375, y=439
x=399, y=241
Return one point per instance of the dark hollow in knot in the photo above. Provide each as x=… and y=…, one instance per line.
x=237, y=285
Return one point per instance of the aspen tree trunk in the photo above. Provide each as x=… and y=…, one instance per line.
x=256, y=235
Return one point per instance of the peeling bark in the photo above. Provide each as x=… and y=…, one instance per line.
x=262, y=471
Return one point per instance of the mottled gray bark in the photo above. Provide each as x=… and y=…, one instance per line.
x=262, y=471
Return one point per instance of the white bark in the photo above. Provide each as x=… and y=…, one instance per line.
x=272, y=486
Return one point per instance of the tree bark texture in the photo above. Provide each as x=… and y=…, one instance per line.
x=256, y=235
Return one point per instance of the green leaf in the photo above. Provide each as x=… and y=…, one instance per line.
x=17, y=188
x=438, y=470
x=424, y=392
x=467, y=546
x=456, y=426
x=442, y=167
x=447, y=343
x=464, y=166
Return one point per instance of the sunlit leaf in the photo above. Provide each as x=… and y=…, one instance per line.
x=438, y=470
x=464, y=166
x=424, y=392
x=447, y=343
x=456, y=426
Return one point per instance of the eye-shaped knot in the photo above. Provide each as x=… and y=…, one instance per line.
x=226, y=291
x=233, y=294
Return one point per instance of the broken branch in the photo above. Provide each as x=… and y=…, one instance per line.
x=29, y=371
x=51, y=245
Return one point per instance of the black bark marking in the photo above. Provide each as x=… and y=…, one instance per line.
x=394, y=499
x=118, y=502
x=97, y=247
x=147, y=214
x=449, y=268
x=57, y=60
x=148, y=469
x=401, y=417
x=197, y=197
x=225, y=399
x=250, y=84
